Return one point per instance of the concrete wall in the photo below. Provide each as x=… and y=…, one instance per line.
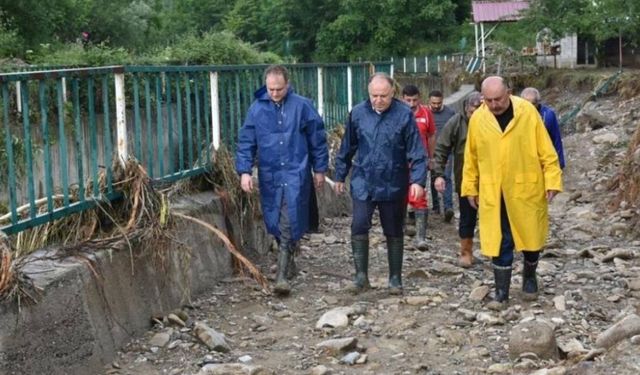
x=82, y=318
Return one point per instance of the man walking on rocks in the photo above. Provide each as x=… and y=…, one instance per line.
x=286, y=134
x=441, y=114
x=510, y=174
x=548, y=117
x=382, y=143
x=427, y=130
x=452, y=142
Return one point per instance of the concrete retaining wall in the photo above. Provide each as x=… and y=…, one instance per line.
x=82, y=318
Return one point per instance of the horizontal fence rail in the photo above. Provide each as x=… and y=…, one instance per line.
x=63, y=132
x=430, y=64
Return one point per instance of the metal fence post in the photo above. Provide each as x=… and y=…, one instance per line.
x=349, y=88
x=426, y=64
x=415, y=64
x=121, y=119
x=320, y=91
x=18, y=97
x=404, y=64
x=215, y=109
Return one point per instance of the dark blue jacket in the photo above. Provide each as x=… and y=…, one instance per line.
x=551, y=123
x=386, y=151
x=289, y=141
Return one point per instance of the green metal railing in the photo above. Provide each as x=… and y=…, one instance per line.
x=52, y=161
x=63, y=130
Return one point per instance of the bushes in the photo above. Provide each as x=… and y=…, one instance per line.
x=10, y=41
x=208, y=49
x=220, y=48
x=76, y=54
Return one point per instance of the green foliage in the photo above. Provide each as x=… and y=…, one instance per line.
x=213, y=48
x=601, y=19
x=369, y=30
x=10, y=41
x=75, y=54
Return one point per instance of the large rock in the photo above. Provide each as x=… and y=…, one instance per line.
x=338, y=345
x=338, y=317
x=533, y=337
x=213, y=339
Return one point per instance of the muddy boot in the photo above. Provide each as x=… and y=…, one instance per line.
x=292, y=269
x=282, y=286
x=395, y=248
x=448, y=215
x=360, y=250
x=502, y=277
x=466, y=252
x=529, y=281
x=420, y=240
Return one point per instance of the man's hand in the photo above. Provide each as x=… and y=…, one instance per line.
x=440, y=184
x=339, y=187
x=416, y=191
x=246, y=182
x=318, y=180
x=551, y=194
x=473, y=201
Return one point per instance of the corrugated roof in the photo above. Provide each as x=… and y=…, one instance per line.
x=497, y=11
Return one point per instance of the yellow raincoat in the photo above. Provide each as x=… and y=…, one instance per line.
x=522, y=163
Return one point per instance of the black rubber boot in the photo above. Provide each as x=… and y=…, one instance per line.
x=282, y=284
x=292, y=269
x=420, y=240
x=529, y=281
x=502, y=277
x=360, y=250
x=395, y=249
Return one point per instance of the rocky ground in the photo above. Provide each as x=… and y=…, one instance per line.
x=584, y=321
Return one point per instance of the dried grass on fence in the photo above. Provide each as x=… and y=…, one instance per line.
x=143, y=216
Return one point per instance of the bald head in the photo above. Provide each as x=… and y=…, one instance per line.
x=495, y=94
x=381, y=89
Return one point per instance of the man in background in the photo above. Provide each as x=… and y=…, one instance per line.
x=427, y=129
x=549, y=118
x=442, y=114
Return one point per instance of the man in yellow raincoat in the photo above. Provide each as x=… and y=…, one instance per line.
x=510, y=173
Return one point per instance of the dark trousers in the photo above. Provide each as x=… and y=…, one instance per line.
x=505, y=259
x=468, y=218
x=285, y=225
x=314, y=217
x=392, y=215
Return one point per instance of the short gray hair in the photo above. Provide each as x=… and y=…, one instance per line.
x=473, y=100
x=384, y=76
x=531, y=92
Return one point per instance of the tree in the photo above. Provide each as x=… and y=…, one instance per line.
x=600, y=19
x=371, y=30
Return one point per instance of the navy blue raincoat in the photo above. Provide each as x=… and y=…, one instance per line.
x=289, y=141
x=388, y=152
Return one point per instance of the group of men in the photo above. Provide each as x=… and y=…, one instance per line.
x=506, y=171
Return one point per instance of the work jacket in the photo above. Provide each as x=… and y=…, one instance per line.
x=521, y=165
x=385, y=151
x=451, y=142
x=289, y=141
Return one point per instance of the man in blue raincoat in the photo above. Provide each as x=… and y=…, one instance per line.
x=548, y=118
x=382, y=143
x=286, y=134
